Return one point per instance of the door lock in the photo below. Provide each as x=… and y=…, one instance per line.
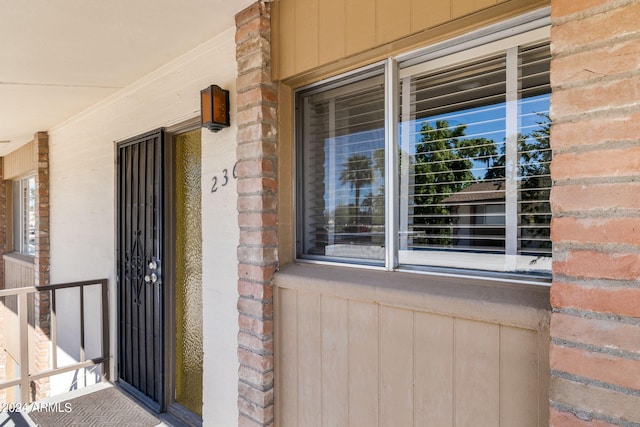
x=153, y=273
x=152, y=278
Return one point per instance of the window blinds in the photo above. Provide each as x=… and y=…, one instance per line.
x=475, y=155
x=343, y=168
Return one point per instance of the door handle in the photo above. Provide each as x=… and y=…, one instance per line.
x=151, y=278
x=153, y=272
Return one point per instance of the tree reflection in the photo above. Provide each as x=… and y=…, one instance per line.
x=357, y=171
x=444, y=164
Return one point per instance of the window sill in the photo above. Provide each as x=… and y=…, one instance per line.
x=18, y=258
x=515, y=304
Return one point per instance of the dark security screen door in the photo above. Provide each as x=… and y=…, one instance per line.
x=140, y=284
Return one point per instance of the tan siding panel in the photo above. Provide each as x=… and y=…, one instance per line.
x=335, y=362
x=288, y=357
x=331, y=42
x=519, y=366
x=465, y=7
x=543, y=374
x=19, y=162
x=363, y=364
x=427, y=14
x=306, y=34
x=286, y=249
x=361, y=26
x=396, y=367
x=309, y=360
x=348, y=362
x=18, y=273
x=314, y=33
x=476, y=374
x=393, y=20
x=434, y=370
x=286, y=37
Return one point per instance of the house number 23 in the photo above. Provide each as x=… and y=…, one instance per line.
x=225, y=178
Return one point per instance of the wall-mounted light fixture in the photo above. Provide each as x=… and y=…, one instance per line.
x=214, y=108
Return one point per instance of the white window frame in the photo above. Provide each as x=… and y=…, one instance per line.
x=507, y=36
x=20, y=211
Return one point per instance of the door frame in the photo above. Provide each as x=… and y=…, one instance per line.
x=170, y=405
x=167, y=402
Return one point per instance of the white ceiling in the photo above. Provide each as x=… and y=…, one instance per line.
x=59, y=57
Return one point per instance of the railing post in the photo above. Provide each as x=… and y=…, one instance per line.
x=83, y=357
x=105, y=331
x=24, y=347
x=54, y=331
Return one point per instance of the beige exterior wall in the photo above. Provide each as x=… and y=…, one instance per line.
x=20, y=161
x=315, y=36
x=18, y=273
x=363, y=347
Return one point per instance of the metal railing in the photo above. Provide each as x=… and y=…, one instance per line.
x=26, y=377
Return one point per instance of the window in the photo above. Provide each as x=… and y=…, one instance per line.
x=343, y=167
x=468, y=158
x=24, y=215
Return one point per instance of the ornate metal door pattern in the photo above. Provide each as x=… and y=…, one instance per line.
x=139, y=268
x=140, y=251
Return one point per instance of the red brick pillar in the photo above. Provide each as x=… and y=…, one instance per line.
x=42, y=208
x=595, y=104
x=257, y=214
x=41, y=263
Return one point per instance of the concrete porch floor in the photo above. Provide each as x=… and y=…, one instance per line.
x=98, y=405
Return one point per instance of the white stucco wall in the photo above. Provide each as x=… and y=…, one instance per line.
x=82, y=172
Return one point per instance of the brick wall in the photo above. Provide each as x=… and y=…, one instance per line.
x=595, y=325
x=257, y=214
x=41, y=263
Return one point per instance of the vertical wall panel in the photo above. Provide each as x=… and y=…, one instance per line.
x=335, y=362
x=18, y=273
x=396, y=367
x=287, y=318
x=363, y=364
x=284, y=16
x=433, y=395
x=286, y=235
x=348, y=362
x=306, y=34
x=543, y=374
x=20, y=162
x=361, y=28
x=309, y=360
x=519, y=364
x=393, y=20
x=312, y=33
x=427, y=14
x=465, y=7
x=476, y=373
x=331, y=37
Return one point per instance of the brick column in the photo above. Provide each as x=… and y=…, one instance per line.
x=595, y=104
x=41, y=263
x=41, y=150
x=257, y=214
